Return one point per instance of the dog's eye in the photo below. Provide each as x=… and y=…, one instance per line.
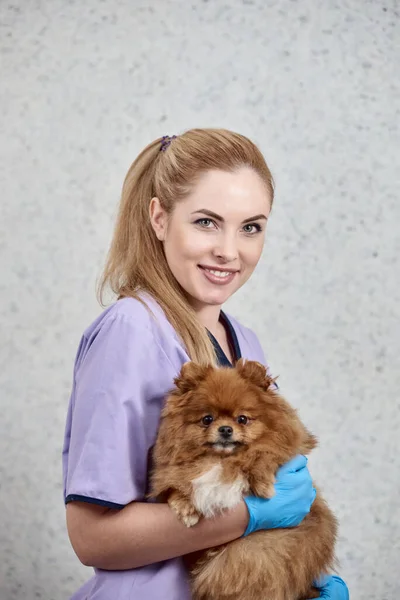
x=207, y=420
x=242, y=420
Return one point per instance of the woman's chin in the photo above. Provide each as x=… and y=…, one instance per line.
x=213, y=298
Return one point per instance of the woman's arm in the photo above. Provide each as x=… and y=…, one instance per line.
x=142, y=534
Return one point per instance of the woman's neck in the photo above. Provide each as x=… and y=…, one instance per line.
x=208, y=316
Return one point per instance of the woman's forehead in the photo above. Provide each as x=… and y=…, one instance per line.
x=240, y=193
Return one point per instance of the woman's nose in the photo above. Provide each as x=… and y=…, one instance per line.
x=226, y=248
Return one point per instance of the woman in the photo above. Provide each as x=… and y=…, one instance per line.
x=190, y=232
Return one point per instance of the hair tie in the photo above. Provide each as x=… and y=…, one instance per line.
x=165, y=142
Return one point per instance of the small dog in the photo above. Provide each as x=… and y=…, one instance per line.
x=223, y=434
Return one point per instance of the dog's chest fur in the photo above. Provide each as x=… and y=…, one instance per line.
x=211, y=495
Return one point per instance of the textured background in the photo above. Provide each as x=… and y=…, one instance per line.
x=85, y=85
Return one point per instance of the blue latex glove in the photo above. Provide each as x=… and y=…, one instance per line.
x=294, y=495
x=332, y=588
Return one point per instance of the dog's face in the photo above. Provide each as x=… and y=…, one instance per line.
x=222, y=412
x=227, y=411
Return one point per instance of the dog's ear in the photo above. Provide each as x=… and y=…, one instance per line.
x=256, y=373
x=191, y=375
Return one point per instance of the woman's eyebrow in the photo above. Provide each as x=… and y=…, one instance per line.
x=214, y=215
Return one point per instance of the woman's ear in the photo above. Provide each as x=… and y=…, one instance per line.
x=158, y=218
x=191, y=375
x=254, y=372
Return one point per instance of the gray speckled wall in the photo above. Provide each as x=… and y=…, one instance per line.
x=85, y=85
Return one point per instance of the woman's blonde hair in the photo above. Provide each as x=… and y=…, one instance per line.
x=136, y=260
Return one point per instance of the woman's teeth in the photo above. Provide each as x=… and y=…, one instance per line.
x=219, y=273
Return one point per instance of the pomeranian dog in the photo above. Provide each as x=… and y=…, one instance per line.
x=223, y=434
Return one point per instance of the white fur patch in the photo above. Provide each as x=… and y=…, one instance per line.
x=210, y=496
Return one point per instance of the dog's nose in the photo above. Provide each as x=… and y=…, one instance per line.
x=225, y=431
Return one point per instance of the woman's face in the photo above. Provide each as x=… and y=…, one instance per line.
x=213, y=239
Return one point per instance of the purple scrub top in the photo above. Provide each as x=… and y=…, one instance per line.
x=124, y=368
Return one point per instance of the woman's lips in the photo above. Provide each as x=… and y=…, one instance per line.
x=218, y=276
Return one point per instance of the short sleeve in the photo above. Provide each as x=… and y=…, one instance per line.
x=114, y=414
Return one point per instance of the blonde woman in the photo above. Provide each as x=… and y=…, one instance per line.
x=189, y=234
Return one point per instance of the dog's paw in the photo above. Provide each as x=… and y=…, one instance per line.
x=183, y=509
x=191, y=519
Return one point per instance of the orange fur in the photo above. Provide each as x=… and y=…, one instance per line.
x=200, y=474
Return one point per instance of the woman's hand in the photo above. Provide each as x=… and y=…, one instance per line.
x=332, y=587
x=294, y=495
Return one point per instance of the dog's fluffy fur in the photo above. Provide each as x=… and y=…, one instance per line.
x=200, y=473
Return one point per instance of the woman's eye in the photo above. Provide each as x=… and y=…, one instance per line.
x=242, y=420
x=252, y=228
x=207, y=420
x=206, y=223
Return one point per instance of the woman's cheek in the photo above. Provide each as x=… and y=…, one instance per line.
x=255, y=252
x=197, y=244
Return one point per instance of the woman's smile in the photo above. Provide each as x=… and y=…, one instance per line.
x=218, y=275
